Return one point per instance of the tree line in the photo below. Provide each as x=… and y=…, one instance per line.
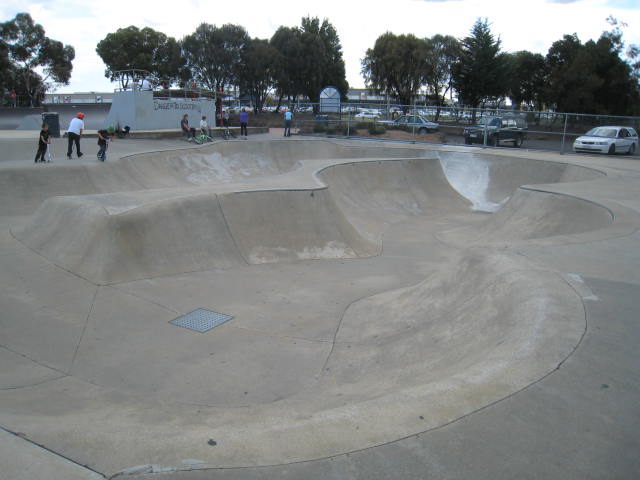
x=298, y=60
x=573, y=77
x=593, y=77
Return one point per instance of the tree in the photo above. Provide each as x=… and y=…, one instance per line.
x=442, y=53
x=287, y=40
x=34, y=63
x=480, y=74
x=130, y=49
x=526, y=78
x=396, y=66
x=259, y=66
x=591, y=78
x=213, y=54
x=311, y=59
x=332, y=63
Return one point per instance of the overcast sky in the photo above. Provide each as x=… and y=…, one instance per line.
x=521, y=25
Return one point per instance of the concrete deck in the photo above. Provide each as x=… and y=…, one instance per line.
x=400, y=311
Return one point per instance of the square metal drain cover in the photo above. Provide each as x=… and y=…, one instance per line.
x=201, y=320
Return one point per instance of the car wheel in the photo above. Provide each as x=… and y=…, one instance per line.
x=632, y=149
x=612, y=149
x=422, y=131
x=493, y=141
x=518, y=142
x=467, y=141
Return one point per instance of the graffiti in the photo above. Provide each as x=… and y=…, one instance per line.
x=181, y=106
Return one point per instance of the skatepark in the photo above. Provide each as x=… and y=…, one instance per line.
x=399, y=310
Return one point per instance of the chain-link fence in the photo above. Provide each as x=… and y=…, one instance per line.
x=486, y=127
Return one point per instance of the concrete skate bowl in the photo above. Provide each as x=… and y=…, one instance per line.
x=480, y=327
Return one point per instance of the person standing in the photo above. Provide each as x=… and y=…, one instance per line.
x=244, y=121
x=146, y=84
x=288, y=116
x=43, y=141
x=103, y=136
x=74, y=132
x=14, y=98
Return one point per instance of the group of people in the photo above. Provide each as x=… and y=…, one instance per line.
x=74, y=133
x=190, y=131
x=76, y=128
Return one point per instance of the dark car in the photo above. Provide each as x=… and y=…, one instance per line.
x=498, y=130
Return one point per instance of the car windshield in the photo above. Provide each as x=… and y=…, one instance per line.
x=490, y=122
x=602, y=132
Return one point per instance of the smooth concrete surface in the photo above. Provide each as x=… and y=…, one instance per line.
x=400, y=311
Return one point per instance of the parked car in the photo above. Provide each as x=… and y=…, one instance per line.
x=367, y=115
x=608, y=139
x=499, y=129
x=421, y=124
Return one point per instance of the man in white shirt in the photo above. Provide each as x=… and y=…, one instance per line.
x=76, y=127
x=146, y=84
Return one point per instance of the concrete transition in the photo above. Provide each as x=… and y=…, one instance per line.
x=378, y=291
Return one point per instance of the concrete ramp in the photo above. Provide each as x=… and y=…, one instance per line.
x=375, y=194
x=531, y=214
x=23, y=189
x=149, y=239
x=489, y=180
x=292, y=225
x=133, y=235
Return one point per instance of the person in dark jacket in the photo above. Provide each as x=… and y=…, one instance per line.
x=43, y=142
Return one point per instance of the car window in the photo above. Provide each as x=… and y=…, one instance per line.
x=623, y=133
x=632, y=132
x=602, y=132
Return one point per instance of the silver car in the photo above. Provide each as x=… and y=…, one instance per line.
x=417, y=122
x=607, y=139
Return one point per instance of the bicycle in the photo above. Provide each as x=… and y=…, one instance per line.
x=227, y=132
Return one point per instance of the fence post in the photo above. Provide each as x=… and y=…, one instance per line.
x=564, y=133
x=484, y=141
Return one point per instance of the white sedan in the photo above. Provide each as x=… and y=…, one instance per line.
x=607, y=139
x=371, y=115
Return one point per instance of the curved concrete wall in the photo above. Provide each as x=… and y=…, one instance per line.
x=23, y=189
x=118, y=237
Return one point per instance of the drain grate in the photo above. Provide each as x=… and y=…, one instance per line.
x=201, y=320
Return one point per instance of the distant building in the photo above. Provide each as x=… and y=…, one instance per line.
x=80, y=97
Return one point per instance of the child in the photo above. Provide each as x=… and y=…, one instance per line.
x=102, y=141
x=204, y=127
x=43, y=141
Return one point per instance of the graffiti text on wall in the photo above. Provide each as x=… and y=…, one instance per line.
x=182, y=106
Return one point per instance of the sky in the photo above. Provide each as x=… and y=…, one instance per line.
x=520, y=25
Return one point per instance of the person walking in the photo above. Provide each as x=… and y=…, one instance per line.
x=43, y=141
x=288, y=116
x=244, y=121
x=74, y=132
